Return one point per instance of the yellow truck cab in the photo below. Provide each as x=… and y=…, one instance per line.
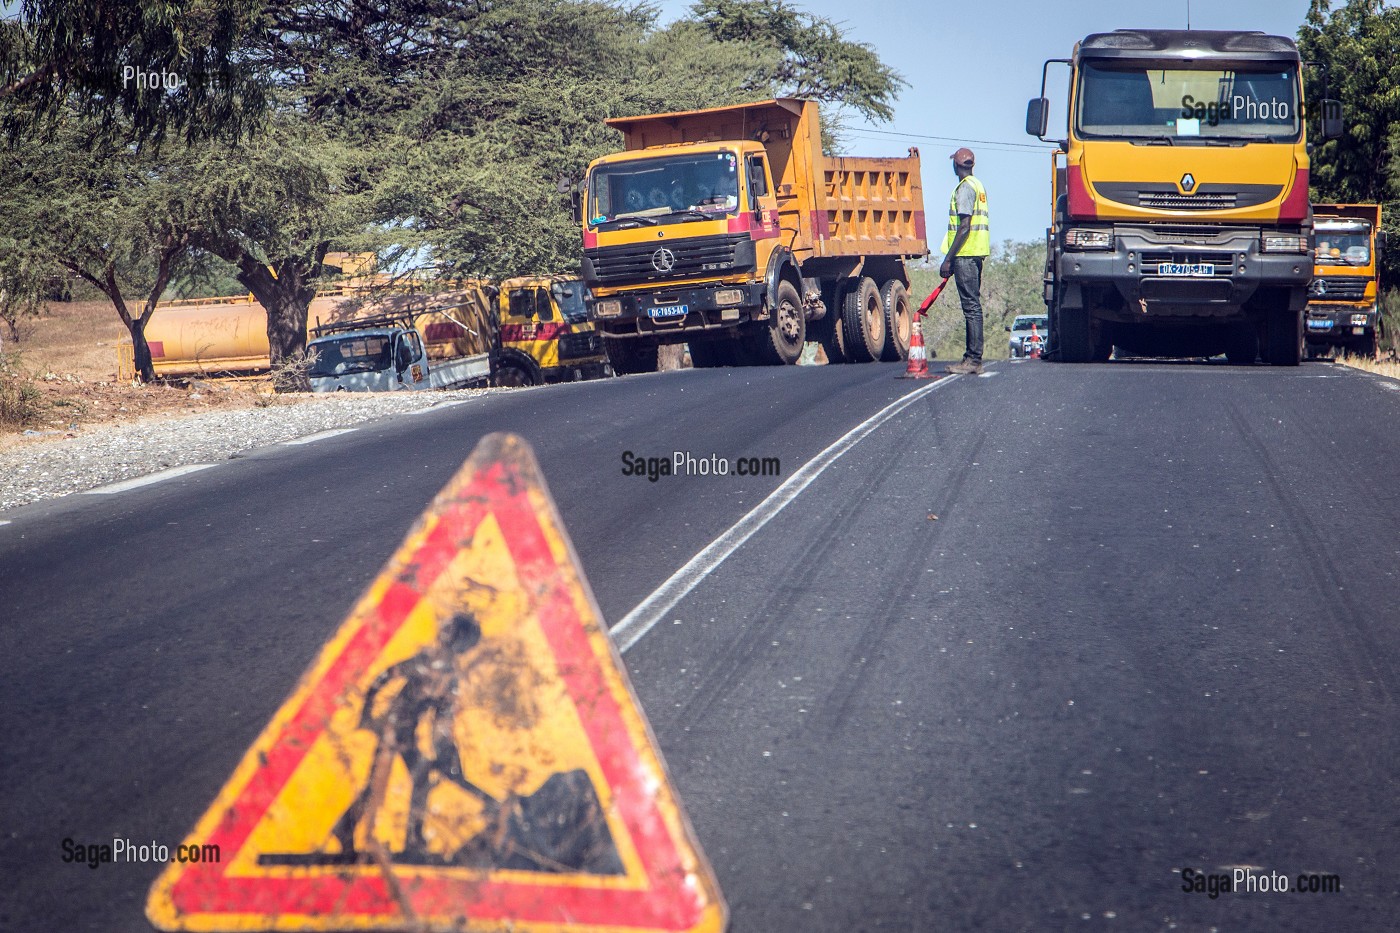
x=730, y=230
x=1342, y=300
x=1180, y=221
x=544, y=334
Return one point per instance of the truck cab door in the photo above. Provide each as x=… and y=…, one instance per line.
x=762, y=198
x=410, y=360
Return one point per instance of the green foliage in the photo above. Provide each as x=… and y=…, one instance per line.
x=21, y=402
x=99, y=55
x=1011, y=285
x=1356, y=43
x=812, y=59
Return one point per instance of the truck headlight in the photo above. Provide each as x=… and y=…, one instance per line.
x=1284, y=243
x=729, y=296
x=1360, y=320
x=609, y=308
x=1077, y=238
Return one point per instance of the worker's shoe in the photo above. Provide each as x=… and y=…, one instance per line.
x=965, y=368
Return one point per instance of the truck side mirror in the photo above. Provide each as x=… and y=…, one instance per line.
x=1331, y=119
x=544, y=308
x=1382, y=241
x=1038, y=117
x=576, y=201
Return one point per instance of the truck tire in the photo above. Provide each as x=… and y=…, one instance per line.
x=863, y=318
x=899, y=321
x=1283, y=336
x=1073, y=338
x=780, y=343
x=1242, y=345
x=512, y=375
x=631, y=356
x=829, y=331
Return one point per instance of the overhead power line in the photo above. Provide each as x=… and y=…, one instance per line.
x=1035, y=147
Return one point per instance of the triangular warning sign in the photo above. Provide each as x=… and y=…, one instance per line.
x=466, y=754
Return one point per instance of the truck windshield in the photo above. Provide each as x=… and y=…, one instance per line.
x=569, y=297
x=1344, y=246
x=664, y=189
x=1176, y=105
x=364, y=353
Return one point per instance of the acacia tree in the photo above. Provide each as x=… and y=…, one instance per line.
x=116, y=215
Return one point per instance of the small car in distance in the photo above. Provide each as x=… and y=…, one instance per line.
x=1022, y=327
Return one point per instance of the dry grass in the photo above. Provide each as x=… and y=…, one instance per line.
x=1388, y=367
x=62, y=377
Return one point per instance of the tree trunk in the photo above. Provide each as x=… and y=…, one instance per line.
x=286, y=294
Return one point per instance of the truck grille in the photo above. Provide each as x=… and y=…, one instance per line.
x=573, y=346
x=1170, y=201
x=1338, y=288
x=646, y=262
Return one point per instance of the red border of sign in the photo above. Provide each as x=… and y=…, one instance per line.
x=668, y=902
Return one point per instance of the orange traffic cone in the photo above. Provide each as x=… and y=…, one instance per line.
x=918, y=357
x=1036, y=344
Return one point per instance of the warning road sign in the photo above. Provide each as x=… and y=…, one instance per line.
x=466, y=754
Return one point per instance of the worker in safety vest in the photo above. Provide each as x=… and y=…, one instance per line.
x=966, y=244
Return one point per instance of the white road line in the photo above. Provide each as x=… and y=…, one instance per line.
x=318, y=436
x=650, y=610
x=147, y=480
x=985, y=375
x=438, y=406
x=4, y=521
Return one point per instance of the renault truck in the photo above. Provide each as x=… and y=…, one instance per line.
x=1180, y=220
x=1343, y=312
x=730, y=230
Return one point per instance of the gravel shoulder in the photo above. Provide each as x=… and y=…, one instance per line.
x=46, y=467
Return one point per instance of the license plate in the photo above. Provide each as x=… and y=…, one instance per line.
x=1186, y=269
x=666, y=312
x=1319, y=325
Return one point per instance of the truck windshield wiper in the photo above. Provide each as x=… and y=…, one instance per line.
x=1153, y=141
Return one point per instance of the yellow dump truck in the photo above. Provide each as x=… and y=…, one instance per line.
x=1342, y=300
x=730, y=230
x=544, y=334
x=1180, y=217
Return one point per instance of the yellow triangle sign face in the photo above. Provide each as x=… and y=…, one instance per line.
x=466, y=754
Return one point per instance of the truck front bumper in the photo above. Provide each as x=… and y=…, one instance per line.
x=1338, y=323
x=686, y=309
x=1160, y=274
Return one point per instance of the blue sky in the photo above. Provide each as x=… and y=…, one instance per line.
x=972, y=67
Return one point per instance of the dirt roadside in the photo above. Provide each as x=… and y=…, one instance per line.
x=61, y=378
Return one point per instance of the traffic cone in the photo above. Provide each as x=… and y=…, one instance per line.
x=1036, y=345
x=918, y=357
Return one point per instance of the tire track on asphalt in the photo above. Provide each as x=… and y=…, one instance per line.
x=1322, y=572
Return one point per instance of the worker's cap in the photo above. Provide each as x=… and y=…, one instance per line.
x=962, y=157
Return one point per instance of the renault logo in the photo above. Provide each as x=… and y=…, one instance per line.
x=663, y=260
x=1188, y=181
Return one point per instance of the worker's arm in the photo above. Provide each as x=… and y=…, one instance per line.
x=959, y=238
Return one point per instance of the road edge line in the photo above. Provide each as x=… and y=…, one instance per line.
x=147, y=480
x=649, y=611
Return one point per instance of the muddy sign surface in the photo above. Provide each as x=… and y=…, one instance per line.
x=466, y=754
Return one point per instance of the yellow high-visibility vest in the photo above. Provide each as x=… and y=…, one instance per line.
x=979, y=238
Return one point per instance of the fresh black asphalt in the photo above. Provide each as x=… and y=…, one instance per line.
x=1153, y=627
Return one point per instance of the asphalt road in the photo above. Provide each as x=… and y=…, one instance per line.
x=1153, y=627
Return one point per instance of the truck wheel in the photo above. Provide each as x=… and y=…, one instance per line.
x=1284, y=338
x=511, y=375
x=863, y=317
x=1242, y=345
x=1073, y=338
x=829, y=331
x=631, y=356
x=899, y=321
x=780, y=343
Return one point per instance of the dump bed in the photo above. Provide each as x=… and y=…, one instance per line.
x=836, y=206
